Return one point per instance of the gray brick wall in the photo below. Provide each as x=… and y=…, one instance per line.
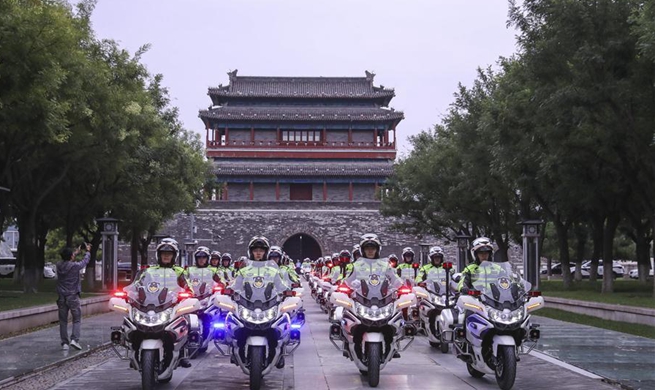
x=284, y=192
x=264, y=192
x=317, y=192
x=230, y=231
x=239, y=135
x=265, y=135
x=238, y=192
x=338, y=192
x=337, y=136
x=363, y=192
x=363, y=136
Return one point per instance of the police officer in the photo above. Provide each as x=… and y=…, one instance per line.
x=406, y=270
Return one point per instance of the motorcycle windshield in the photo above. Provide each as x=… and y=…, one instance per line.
x=157, y=290
x=500, y=285
x=201, y=281
x=376, y=289
x=259, y=286
x=436, y=281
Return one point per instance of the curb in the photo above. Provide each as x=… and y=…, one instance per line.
x=12, y=380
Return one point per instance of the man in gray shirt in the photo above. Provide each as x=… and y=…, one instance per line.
x=68, y=288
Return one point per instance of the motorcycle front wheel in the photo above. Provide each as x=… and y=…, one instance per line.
x=148, y=363
x=506, y=367
x=257, y=354
x=374, y=355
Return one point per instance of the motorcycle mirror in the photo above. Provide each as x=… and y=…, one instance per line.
x=289, y=293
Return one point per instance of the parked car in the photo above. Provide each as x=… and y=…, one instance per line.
x=556, y=269
x=618, y=271
x=7, y=261
x=634, y=274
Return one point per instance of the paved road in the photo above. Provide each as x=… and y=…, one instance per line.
x=317, y=365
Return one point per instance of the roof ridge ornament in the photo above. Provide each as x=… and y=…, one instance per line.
x=369, y=76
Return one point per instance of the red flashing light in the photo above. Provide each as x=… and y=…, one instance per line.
x=415, y=265
x=404, y=290
x=422, y=284
x=533, y=294
x=120, y=294
x=330, y=265
x=184, y=295
x=344, y=289
x=475, y=293
x=218, y=288
x=447, y=265
x=289, y=293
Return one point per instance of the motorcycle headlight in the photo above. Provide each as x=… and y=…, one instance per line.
x=374, y=313
x=506, y=316
x=440, y=300
x=151, y=318
x=258, y=316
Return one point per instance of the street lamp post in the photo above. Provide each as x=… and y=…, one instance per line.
x=531, y=233
x=188, y=248
x=462, y=251
x=109, y=232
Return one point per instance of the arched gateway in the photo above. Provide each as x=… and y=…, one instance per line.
x=301, y=245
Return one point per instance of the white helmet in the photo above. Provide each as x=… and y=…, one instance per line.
x=258, y=242
x=167, y=245
x=371, y=239
x=275, y=251
x=436, y=251
x=202, y=251
x=482, y=244
x=407, y=251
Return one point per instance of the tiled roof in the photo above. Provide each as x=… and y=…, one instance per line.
x=302, y=113
x=256, y=168
x=306, y=87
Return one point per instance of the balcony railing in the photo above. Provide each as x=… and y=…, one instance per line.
x=300, y=145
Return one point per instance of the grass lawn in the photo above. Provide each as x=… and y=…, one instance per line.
x=626, y=292
x=624, y=327
x=12, y=296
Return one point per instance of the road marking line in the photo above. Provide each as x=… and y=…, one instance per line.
x=560, y=363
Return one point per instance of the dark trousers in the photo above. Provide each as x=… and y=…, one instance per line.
x=70, y=303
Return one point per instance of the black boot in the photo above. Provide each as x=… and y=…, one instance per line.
x=280, y=363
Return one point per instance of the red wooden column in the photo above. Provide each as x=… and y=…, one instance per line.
x=279, y=139
x=350, y=135
x=375, y=137
x=277, y=189
x=350, y=191
x=324, y=136
x=252, y=135
x=386, y=137
x=324, y=191
x=227, y=136
x=225, y=192
x=252, y=191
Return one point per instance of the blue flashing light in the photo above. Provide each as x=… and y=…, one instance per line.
x=219, y=325
x=296, y=326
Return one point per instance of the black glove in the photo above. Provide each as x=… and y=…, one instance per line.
x=464, y=290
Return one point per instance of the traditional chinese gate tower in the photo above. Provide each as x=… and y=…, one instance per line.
x=300, y=160
x=317, y=139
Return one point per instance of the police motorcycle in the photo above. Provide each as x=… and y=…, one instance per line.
x=157, y=322
x=258, y=329
x=306, y=269
x=437, y=309
x=329, y=284
x=316, y=280
x=203, y=283
x=497, y=326
x=371, y=327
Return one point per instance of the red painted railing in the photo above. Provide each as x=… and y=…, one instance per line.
x=300, y=145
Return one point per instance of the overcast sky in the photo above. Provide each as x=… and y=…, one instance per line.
x=422, y=48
